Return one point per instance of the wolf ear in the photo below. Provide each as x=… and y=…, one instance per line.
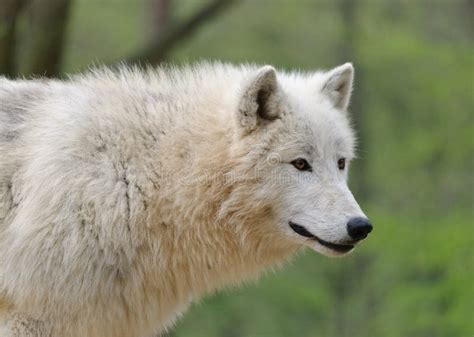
x=259, y=102
x=338, y=85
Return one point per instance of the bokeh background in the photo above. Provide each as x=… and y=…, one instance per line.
x=413, y=109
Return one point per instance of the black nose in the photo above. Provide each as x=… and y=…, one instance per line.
x=359, y=228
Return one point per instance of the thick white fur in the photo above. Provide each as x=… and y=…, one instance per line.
x=126, y=195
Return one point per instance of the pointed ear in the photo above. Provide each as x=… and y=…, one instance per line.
x=338, y=85
x=259, y=102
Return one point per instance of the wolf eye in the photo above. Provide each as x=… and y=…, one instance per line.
x=341, y=164
x=301, y=164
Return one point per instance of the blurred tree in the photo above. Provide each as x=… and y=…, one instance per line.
x=341, y=286
x=469, y=11
x=168, y=39
x=46, y=36
x=348, y=52
x=9, y=10
x=47, y=27
x=158, y=13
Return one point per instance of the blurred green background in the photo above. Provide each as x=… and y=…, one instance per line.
x=413, y=108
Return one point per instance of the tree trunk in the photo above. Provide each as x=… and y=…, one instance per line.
x=158, y=49
x=46, y=32
x=9, y=10
x=360, y=184
x=342, y=287
x=158, y=13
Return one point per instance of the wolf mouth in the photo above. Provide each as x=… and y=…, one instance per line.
x=340, y=248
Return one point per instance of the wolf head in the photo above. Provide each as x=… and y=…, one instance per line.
x=299, y=144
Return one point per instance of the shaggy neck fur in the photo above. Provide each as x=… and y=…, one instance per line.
x=219, y=234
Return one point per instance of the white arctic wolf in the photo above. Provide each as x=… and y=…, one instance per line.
x=126, y=195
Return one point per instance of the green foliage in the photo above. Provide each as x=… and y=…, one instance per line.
x=414, y=86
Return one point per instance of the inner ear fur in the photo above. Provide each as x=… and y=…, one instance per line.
x=338, y=85
x=259, y=100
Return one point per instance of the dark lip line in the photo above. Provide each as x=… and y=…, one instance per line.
x=304, y=232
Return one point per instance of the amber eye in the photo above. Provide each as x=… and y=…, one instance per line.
x=341, y=164
x=301, y=164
